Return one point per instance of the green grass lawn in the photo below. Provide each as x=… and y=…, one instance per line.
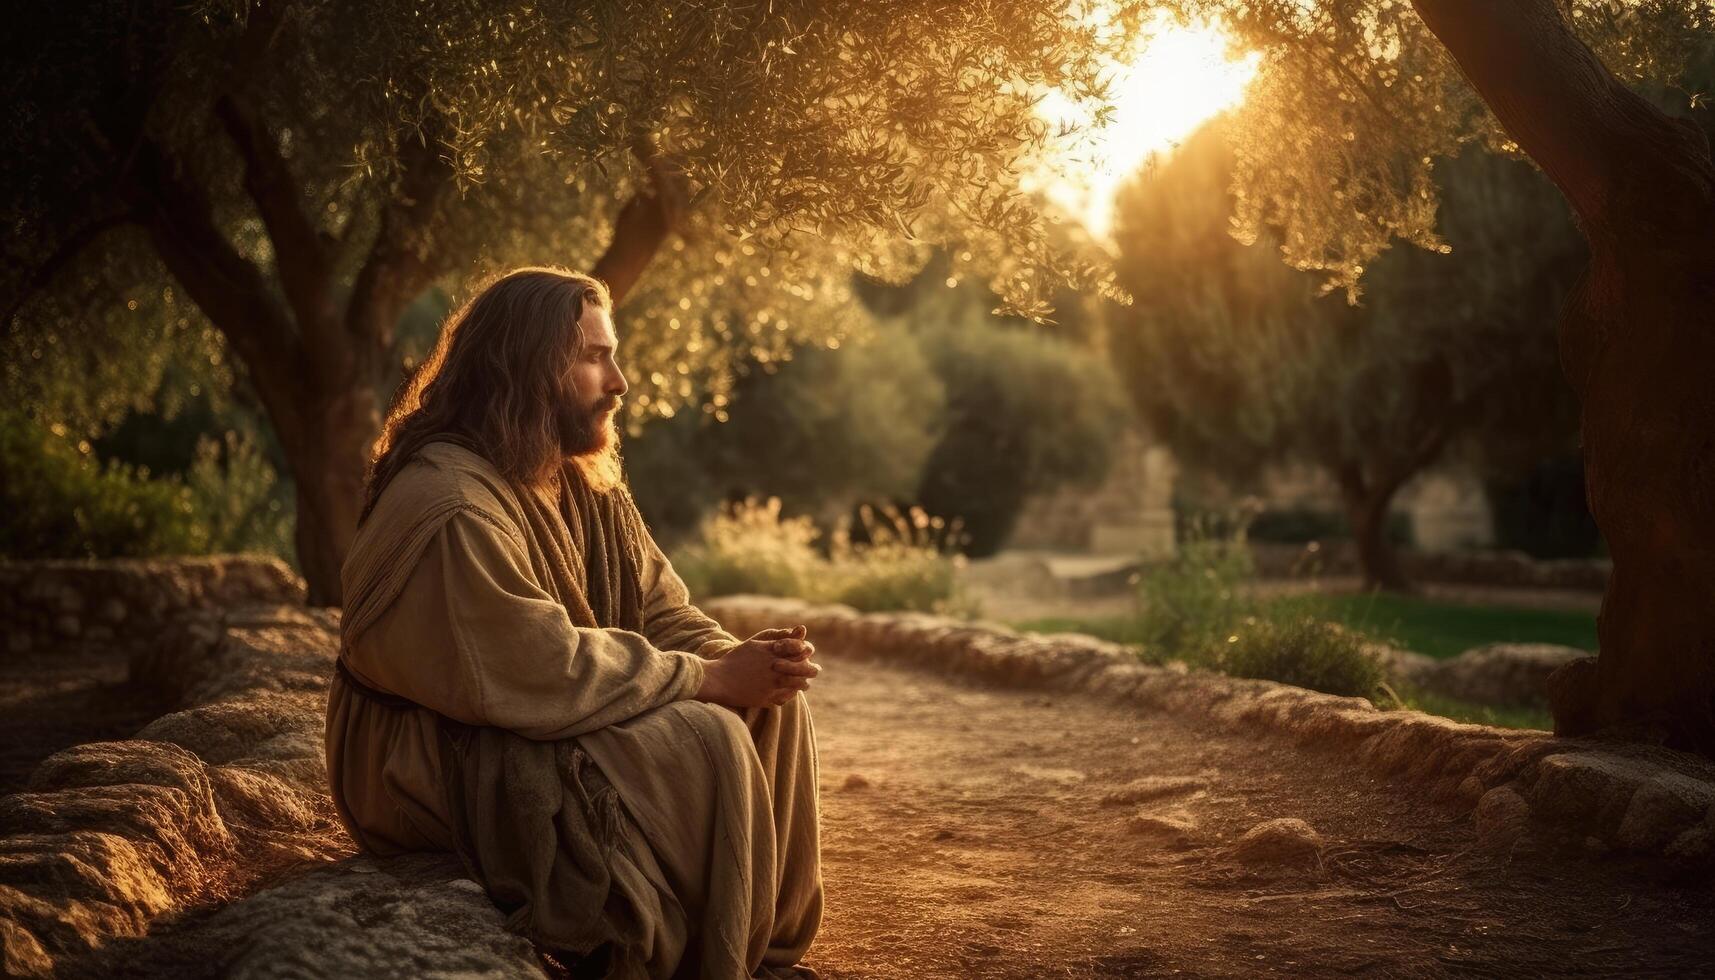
x=1446, y=629
x=1438, y=629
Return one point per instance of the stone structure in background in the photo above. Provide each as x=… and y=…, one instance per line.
x=52, y=604
x=1130, y=513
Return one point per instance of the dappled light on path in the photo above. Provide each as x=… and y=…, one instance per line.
x=978, y=832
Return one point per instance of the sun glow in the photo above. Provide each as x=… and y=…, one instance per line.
x=1180, y=78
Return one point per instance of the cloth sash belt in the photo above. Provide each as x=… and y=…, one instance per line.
x=380, y=697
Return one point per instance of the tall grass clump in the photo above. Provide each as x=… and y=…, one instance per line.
x=1191, y=603
x=1200, y=608
x=904, y=560
x=1304, y=652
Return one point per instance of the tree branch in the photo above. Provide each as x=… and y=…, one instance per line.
x=643, y=225
x=402, y=259
x=303, y=264
x=1602, y=144
x=230, y=290
x=67, y=251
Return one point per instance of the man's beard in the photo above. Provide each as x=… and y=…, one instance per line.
x=590, y=440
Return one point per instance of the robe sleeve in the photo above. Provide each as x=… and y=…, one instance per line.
x=670, y=621
x=474, y=636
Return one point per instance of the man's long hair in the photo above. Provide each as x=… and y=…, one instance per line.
x=497, y=377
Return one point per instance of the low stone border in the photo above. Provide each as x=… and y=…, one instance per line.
x=410, y=916
x=108, y=836
x=1613, y=795
x=128, y=601
x=1511, y=569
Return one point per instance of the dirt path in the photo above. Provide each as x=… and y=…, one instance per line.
x=972, y=841
x=52, y=699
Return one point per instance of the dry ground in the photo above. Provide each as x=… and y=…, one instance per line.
x=973, y=842
x=965, y=834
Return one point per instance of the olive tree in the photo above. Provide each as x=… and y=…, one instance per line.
x=1241, y=362
x=291, y=175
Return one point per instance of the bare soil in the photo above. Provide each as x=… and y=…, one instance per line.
x=965, y=835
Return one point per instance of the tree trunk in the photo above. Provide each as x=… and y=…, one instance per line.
x=329, y=469
x=1367, y=505
x=1637, y=342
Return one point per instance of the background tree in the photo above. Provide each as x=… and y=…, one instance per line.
x=1239, y=363
x=294, y=174
x=932, y=402
x=1547, y=79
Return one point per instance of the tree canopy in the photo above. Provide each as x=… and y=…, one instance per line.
x=1238, y=363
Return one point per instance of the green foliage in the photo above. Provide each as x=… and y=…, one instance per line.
x=823, y=431
x=1301, y=525
x=1304, y=652
x=237, y=500
x=1439, y=628
x=1026, y=412
x=1356, y=103
x=62, y=502
x=1189, y=604
x=1237, y=363
x=752, y=548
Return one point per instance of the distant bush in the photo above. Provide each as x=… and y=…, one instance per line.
x=1302, y=525
x=1198, y=608
x=752, y=548
x=1190, y=603
x=1027, y=412
x=1304, y=652
x=62, y=502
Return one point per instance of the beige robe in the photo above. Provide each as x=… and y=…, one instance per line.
x=718, y=854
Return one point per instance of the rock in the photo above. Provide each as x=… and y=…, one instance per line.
x=1696, y=844
x=1148, y=788
x=111, y=836
x=1583, y=789
x=855, y=781
x=103, y=841
x=1501, y=818
x=1287, y=842
x=112, y=610
x=1502, y=673
x=1176, y=827
x=68, y=626
x=1664, y=807
x=1404, y=666
x=416, y=915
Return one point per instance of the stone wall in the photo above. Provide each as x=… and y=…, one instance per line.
x=128, y=601
x=1513, y=569
x=1131, y=512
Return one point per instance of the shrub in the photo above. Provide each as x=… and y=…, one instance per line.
x=904, y=565
x=750, y=548
x=908, y=561
x=1027, y=412
x=61, y=502
x=1189, y=604
x=1304, y=652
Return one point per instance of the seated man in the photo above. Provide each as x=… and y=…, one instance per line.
x=523, y=679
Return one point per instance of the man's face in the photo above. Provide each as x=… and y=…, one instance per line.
x=594, y=386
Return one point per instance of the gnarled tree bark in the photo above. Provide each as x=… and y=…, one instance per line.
x=1638, y=345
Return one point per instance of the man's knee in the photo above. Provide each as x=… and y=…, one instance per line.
x=714, y=719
